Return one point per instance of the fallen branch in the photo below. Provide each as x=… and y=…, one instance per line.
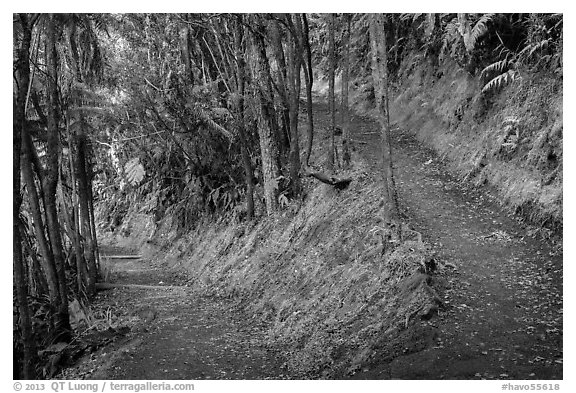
x=122, y=256
x=360, y=142
x=338, y=183
x=105, y=285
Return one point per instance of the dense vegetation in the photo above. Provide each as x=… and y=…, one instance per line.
x=197, y=115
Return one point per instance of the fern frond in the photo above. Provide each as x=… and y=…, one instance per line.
x=528, y=51
x=416, y=16
x=134, y=171
x=499, y=67
x=500, y=81
x=407, y=17
x=478, y=31
x=540, y=45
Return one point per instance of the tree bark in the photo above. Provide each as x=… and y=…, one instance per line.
x=246, y=162
x=22, y=74
x=81, y=270
x=267, y=126
x=309, y=81
x=294, y=85
x=345, y=83
x=37, y=278
x=51, y=178
x=47, y=257
x=331, y=100
x=81, y=176
x=278, y=51
x=380, y=78
x=83, y=199
x=186, y=55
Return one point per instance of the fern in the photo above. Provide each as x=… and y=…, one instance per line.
x=478, y=31
x=497, y=67
x=134, y=171
x=500, y=81
x=450, y=40
x=534, y=47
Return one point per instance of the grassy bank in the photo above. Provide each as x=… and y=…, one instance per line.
x=315, y=276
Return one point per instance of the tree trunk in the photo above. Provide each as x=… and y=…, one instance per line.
x=294, y=85
x=81, y=270
x=331, y=100
x=22, y=74
x=267, y=126
x=380, y=78
x=51, y=179
x=83, y=198
x=84, y=228
x=309, y=81
x=37, y=278
x=95, y=248
x=278, y=50
x=186, y=55
x=246, y=162
x=345, y=83
x=47, y=257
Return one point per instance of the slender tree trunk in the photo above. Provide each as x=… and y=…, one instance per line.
x=38, y=283
x=267, y=126
x=51, y=179
x=85, y=221
x=186, y=55
x=22, y=74
x=380, y=77
x=95, y=248
x=246, y=162
x=81, y=270
x=331, y=100
x=47, y=257
x=345, y=83
x=81, y=175
x=309, y=81
x=278, y=50
x=294, y=85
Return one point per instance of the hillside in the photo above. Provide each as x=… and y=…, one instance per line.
x=288, y=196
x=314, y=281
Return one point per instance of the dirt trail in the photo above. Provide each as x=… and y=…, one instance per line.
x=178, y=335
x=504, y=299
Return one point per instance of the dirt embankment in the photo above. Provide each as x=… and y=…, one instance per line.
x=509, y=139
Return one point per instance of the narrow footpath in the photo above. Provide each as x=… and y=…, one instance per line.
x=503, y=315
x=176, y=334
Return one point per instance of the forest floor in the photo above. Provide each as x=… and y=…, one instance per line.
x=503, y=295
